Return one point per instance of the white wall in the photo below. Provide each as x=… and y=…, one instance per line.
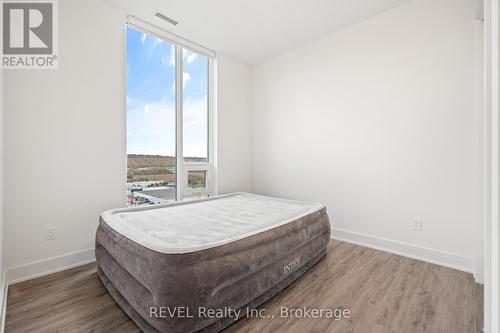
x=492, y=166
x=488, y=203
x=2, y=208
x=65, y=137
x=479, y=237
x=234, y=125
x=380, y=122
x=65, y=140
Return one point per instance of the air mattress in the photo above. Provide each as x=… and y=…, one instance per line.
x=198, y=266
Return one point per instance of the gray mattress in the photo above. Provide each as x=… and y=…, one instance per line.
x=178, y=275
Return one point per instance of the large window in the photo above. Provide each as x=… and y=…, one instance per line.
x=169, y=145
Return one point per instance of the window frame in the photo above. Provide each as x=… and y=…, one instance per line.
x=182, y=168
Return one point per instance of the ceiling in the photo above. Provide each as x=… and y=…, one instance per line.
x=255, y=30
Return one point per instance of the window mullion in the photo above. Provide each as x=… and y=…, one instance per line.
x=179, y=120
x=211, y=128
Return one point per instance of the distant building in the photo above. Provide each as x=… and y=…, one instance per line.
x=156, y=195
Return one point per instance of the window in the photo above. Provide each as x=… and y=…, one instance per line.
x=169, y=145
x=195, y=110
x=197, y=179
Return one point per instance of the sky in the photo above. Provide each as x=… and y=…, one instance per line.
x=151, y=97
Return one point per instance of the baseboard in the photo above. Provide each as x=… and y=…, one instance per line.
x=478, y=274
x=407, y=250
x=47, y=266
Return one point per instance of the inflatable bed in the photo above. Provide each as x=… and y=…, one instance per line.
x=199, y=265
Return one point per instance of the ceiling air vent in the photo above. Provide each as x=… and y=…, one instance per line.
x=166, y=18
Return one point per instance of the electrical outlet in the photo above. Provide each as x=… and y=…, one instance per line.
x=418, y=225
x=50, y=234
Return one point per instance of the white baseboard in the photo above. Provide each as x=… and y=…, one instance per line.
x=478, y=273
x=407, y=250
x=47, y=266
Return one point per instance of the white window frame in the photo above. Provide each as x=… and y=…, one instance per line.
x=182, y=167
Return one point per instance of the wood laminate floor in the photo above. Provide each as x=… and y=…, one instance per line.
x=385, y=293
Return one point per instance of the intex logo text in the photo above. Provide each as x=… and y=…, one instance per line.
x=288, y=268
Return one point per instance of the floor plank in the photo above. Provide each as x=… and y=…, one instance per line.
x=384, y=292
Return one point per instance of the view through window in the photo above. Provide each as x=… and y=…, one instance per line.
x=152, y=175
x=195, y=111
